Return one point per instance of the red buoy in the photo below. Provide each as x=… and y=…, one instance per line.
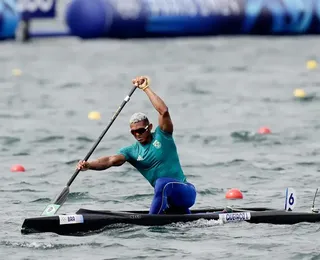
x=17, y=168
x=264, y=130
x=234, y=194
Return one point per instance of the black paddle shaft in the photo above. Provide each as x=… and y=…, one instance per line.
x=125, y=101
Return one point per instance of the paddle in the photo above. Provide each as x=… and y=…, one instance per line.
x=51, y=209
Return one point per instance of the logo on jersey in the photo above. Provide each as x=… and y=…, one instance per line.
x=140, y=158
x=157, y=144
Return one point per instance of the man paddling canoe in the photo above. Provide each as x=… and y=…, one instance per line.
x=155, y=156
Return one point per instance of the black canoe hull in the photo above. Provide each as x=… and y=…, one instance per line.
x=86, y=222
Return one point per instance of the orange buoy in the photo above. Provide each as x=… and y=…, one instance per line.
x=234, y=194
x=264, y=130
x=17, y=168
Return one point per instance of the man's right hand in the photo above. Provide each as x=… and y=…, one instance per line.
x=83, y=166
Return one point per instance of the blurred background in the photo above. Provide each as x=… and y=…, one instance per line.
x=240, y=78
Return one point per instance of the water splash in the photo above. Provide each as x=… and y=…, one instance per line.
x=45, y=246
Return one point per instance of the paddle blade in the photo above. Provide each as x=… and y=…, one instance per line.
x=51, y=209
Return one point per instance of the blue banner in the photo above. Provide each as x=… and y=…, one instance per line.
x=171, y=18
x=282, y=16
x=31, y=9
x=9, y=19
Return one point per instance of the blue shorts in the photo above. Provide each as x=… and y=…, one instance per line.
x=172, y=196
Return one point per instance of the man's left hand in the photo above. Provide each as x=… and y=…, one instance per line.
x=141, y=82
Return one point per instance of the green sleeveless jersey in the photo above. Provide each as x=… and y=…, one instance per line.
x=159, y=158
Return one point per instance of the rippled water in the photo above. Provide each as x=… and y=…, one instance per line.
x=219, y=91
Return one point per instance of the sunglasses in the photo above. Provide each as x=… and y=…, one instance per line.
x=139, y=131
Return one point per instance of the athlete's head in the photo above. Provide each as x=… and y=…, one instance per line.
x=140, y=127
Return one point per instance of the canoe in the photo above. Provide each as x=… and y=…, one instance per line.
x=86, y=221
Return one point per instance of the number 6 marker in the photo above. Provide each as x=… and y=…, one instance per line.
x=290, y=199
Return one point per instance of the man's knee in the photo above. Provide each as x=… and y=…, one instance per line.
x=183, y=195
